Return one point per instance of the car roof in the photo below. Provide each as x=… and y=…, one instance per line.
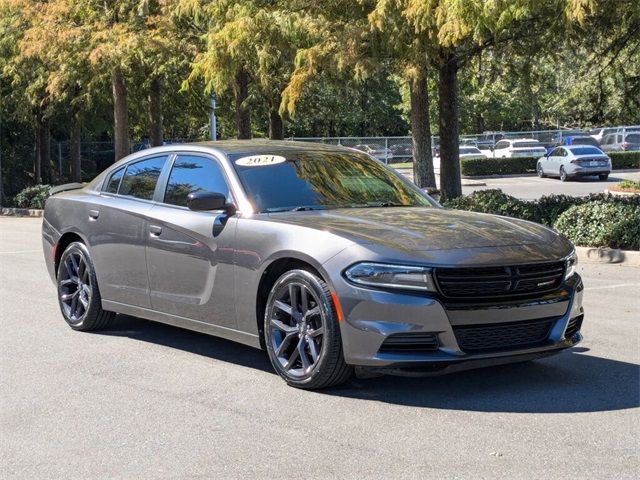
x=264, y=146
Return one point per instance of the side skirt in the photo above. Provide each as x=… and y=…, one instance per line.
x=182, y=322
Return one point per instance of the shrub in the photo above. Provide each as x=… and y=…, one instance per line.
x=32, y=197
x=623, y=160
x=496, y=202
x=497, y=166
x=629, y=185
x=602, y=224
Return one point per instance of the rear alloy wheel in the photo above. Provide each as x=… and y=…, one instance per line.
x=539, y=170
x=78, y=293
x=563, y=175
x=603, y=176
x=302, y=334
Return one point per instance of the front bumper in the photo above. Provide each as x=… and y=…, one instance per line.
x=372, y=316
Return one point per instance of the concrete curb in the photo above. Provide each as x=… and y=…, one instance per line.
x=20, y=212
x=514, y=175
x=628, y=258
x=621, y=193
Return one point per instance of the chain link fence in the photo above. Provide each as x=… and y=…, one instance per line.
x=98, y=155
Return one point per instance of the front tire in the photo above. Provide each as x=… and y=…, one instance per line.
x=78, y=293
x=540, y=171
x=302, y=334
x=603, y=176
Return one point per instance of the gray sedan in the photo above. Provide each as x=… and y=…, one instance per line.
x=320, y=255
x=572, y=161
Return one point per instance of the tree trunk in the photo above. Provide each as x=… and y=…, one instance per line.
x=155, y=112
x=74, y=151
x=243, y=114
x=450, y=184
x=120, y=114
x=423, y=175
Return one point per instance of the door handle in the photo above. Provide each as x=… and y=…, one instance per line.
x=93, y=214
x=155, y=230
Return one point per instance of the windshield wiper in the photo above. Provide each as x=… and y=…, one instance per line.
x=376, y=204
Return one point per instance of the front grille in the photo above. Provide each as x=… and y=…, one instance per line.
x=503, y=336
x=499, y=282
x=417, y=342
x=574, y=326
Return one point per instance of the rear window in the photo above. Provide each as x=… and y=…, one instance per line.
x=586, y=151
x=633, y=138
x=141, y=177
x=467, y=150
x=527, y=145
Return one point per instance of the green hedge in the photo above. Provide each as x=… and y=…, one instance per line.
x=523, y=165
x=32, y=197
x=620, y=229
x=601, y=224
x=497, y=166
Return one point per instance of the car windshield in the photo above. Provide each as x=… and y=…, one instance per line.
x=586, y=151
x=526, y=144
x=310, y=180
x=584, y=141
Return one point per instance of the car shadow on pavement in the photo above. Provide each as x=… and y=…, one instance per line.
x=570, y=382
x=189, y=341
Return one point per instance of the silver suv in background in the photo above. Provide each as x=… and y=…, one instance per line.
x=621, y=142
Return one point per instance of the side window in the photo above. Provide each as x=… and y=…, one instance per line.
x=501, y=144
x=192, y=173
x=563, y=152
x=114, y=181
x=141, y=177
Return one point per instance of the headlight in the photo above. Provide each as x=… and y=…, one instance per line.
x=570, y=264
x=391, y=276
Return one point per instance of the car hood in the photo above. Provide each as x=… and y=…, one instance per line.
x=421, y=229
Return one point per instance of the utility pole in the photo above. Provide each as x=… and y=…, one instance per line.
x=213, y=128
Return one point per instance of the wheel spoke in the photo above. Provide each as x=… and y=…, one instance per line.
x=68, y=296
x=69, y=268
x=317, y=332
x=303, y=354
x=84, y=302
x=74, y=264
x=293, y=297
x=313, y=311
x=304, y=300
x=66, y=281
x=283, y=306
x=292, y=359
x=283, y=327
x=286, y=341
x=313, y=349
x=74, y=305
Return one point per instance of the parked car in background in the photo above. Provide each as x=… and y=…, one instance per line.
x=378, y=151
x=621, y=142
x=520, y=147
x=402, y=152
x=465, y=151
x=582, y=140
x=601, y=132
x=574, y=161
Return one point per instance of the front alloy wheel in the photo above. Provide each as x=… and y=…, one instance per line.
x=302, y=333
x=563, y=175
x=540, y=170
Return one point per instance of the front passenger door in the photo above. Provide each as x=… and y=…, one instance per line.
x=189, y=253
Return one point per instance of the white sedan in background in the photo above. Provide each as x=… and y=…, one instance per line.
x=520, y=147
x=464, y=152
x=574, y=161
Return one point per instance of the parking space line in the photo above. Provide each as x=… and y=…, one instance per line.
x=619, y=285
x=20, y=251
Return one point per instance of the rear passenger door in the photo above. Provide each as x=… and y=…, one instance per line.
x=190, y=253
x=118, y=238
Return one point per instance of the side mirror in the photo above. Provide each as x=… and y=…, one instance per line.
x=203, y=201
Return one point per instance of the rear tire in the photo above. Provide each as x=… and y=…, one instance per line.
x=563, y=175
x=78, y=293
x=302, y=334
x=603, y=176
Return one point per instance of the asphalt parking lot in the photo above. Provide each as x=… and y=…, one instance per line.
x=144, y=400
x=531, y=187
